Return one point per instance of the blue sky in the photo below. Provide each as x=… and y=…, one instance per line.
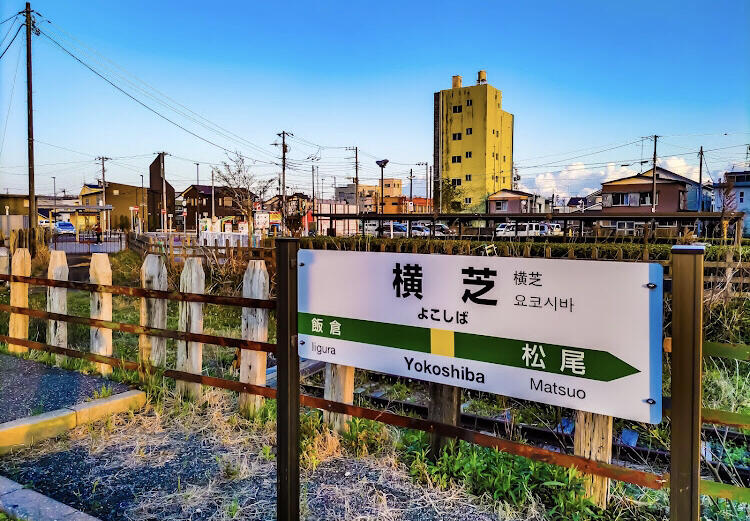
x=579, y=77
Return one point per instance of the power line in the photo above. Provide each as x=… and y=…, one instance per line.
x=201, y=120
x=11, y=41
x=141, y=103
x=10, y=102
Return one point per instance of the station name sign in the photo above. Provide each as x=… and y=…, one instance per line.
x=573, y=333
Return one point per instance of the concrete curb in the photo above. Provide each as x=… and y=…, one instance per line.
x=26, y=505
x=27, y=431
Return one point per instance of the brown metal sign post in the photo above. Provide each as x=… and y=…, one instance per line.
x=287, y=426
x=687, y=340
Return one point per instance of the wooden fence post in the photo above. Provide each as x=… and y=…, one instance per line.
x=190, y=354
x=593, y=439
x=287, y=425
x=18, y=327
x=445, y=407
x=57, y=302
x=4, y=262
x=100, y=273
x=687, y=356
x=153, y=349
x=255, y=284
x=339, y=387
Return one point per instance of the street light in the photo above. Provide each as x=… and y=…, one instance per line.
x=381, y=164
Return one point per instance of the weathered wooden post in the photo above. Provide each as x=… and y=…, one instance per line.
x=592, y=439
x=57, y=302
x=100, y=272
x=190, y=354
x=4, y=262
x=255, y=284
x=339, y=387
x=153, y=349
x=287, y=429
x=445, y=407
x=687, y=356
x=18, y=326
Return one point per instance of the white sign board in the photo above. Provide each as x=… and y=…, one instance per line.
x=574, y=333
x=262, y=220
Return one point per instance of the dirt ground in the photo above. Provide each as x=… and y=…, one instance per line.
x=202, y=461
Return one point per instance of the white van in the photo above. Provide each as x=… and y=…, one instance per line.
x=521, y=230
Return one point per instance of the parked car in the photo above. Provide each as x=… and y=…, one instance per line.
x=64, y=227
x=441, y=230
x=500, y=227
x=522, y=230
x=399, y=229
x=419, y=231
x=554, y=229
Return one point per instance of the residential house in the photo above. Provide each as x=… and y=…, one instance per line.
x=156, y=187
x=197, y=203
x=126, y=201
x=674, y=193
x=733, y=195
x=517, y=201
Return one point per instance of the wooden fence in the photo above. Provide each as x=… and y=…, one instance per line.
x=686, y=350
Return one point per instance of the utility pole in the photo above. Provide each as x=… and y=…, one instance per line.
x=653, y=176
x=312, y=168
x=104, y=192
x=197, y=200
x=143, y=206
x=213, y=197
x=30, y=118
x=356, y=176
x=54, y=203
x=163, y=193
x=411, y=188
x=283, y=134
x=700, y=180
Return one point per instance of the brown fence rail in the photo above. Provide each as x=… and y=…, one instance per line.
x=286, y=348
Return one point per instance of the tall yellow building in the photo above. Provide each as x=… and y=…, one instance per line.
x=473, y=143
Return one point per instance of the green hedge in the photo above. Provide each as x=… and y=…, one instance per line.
x=630, y=251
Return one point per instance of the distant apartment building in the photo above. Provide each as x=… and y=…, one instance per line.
x=516, y=201
x=473, y=141
x=369, y=195
x=674, y=193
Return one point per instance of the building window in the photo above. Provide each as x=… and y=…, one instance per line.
x=456, y=182
x=501, y=206
x=619, y=199
x=115, y=192
x=468, y=103
x=468, y=155
x=456, y=136
x=227, y=201
x=503, y=159
x=455, y=159
x=457, y=109
x=467, y=200
x=468, y=177
x=469, y=131
x=221, y=201
x=644, y=199
x=742, y=197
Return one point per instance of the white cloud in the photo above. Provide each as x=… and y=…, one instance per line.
x=678, y=165
x=576, y=179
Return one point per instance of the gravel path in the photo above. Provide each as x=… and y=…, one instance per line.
x=28, y=387
x=202, y=463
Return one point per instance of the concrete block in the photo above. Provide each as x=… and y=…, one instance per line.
x=8, y=485
x=26, y=431
x=28, y=505
x=96, y=409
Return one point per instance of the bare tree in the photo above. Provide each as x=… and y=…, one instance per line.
x=244, y=187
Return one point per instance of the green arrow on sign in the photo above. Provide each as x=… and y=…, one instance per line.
x=579, y=362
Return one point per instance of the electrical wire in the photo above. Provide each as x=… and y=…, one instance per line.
x=10, y=103
x=141, y=103
x=11, y=41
